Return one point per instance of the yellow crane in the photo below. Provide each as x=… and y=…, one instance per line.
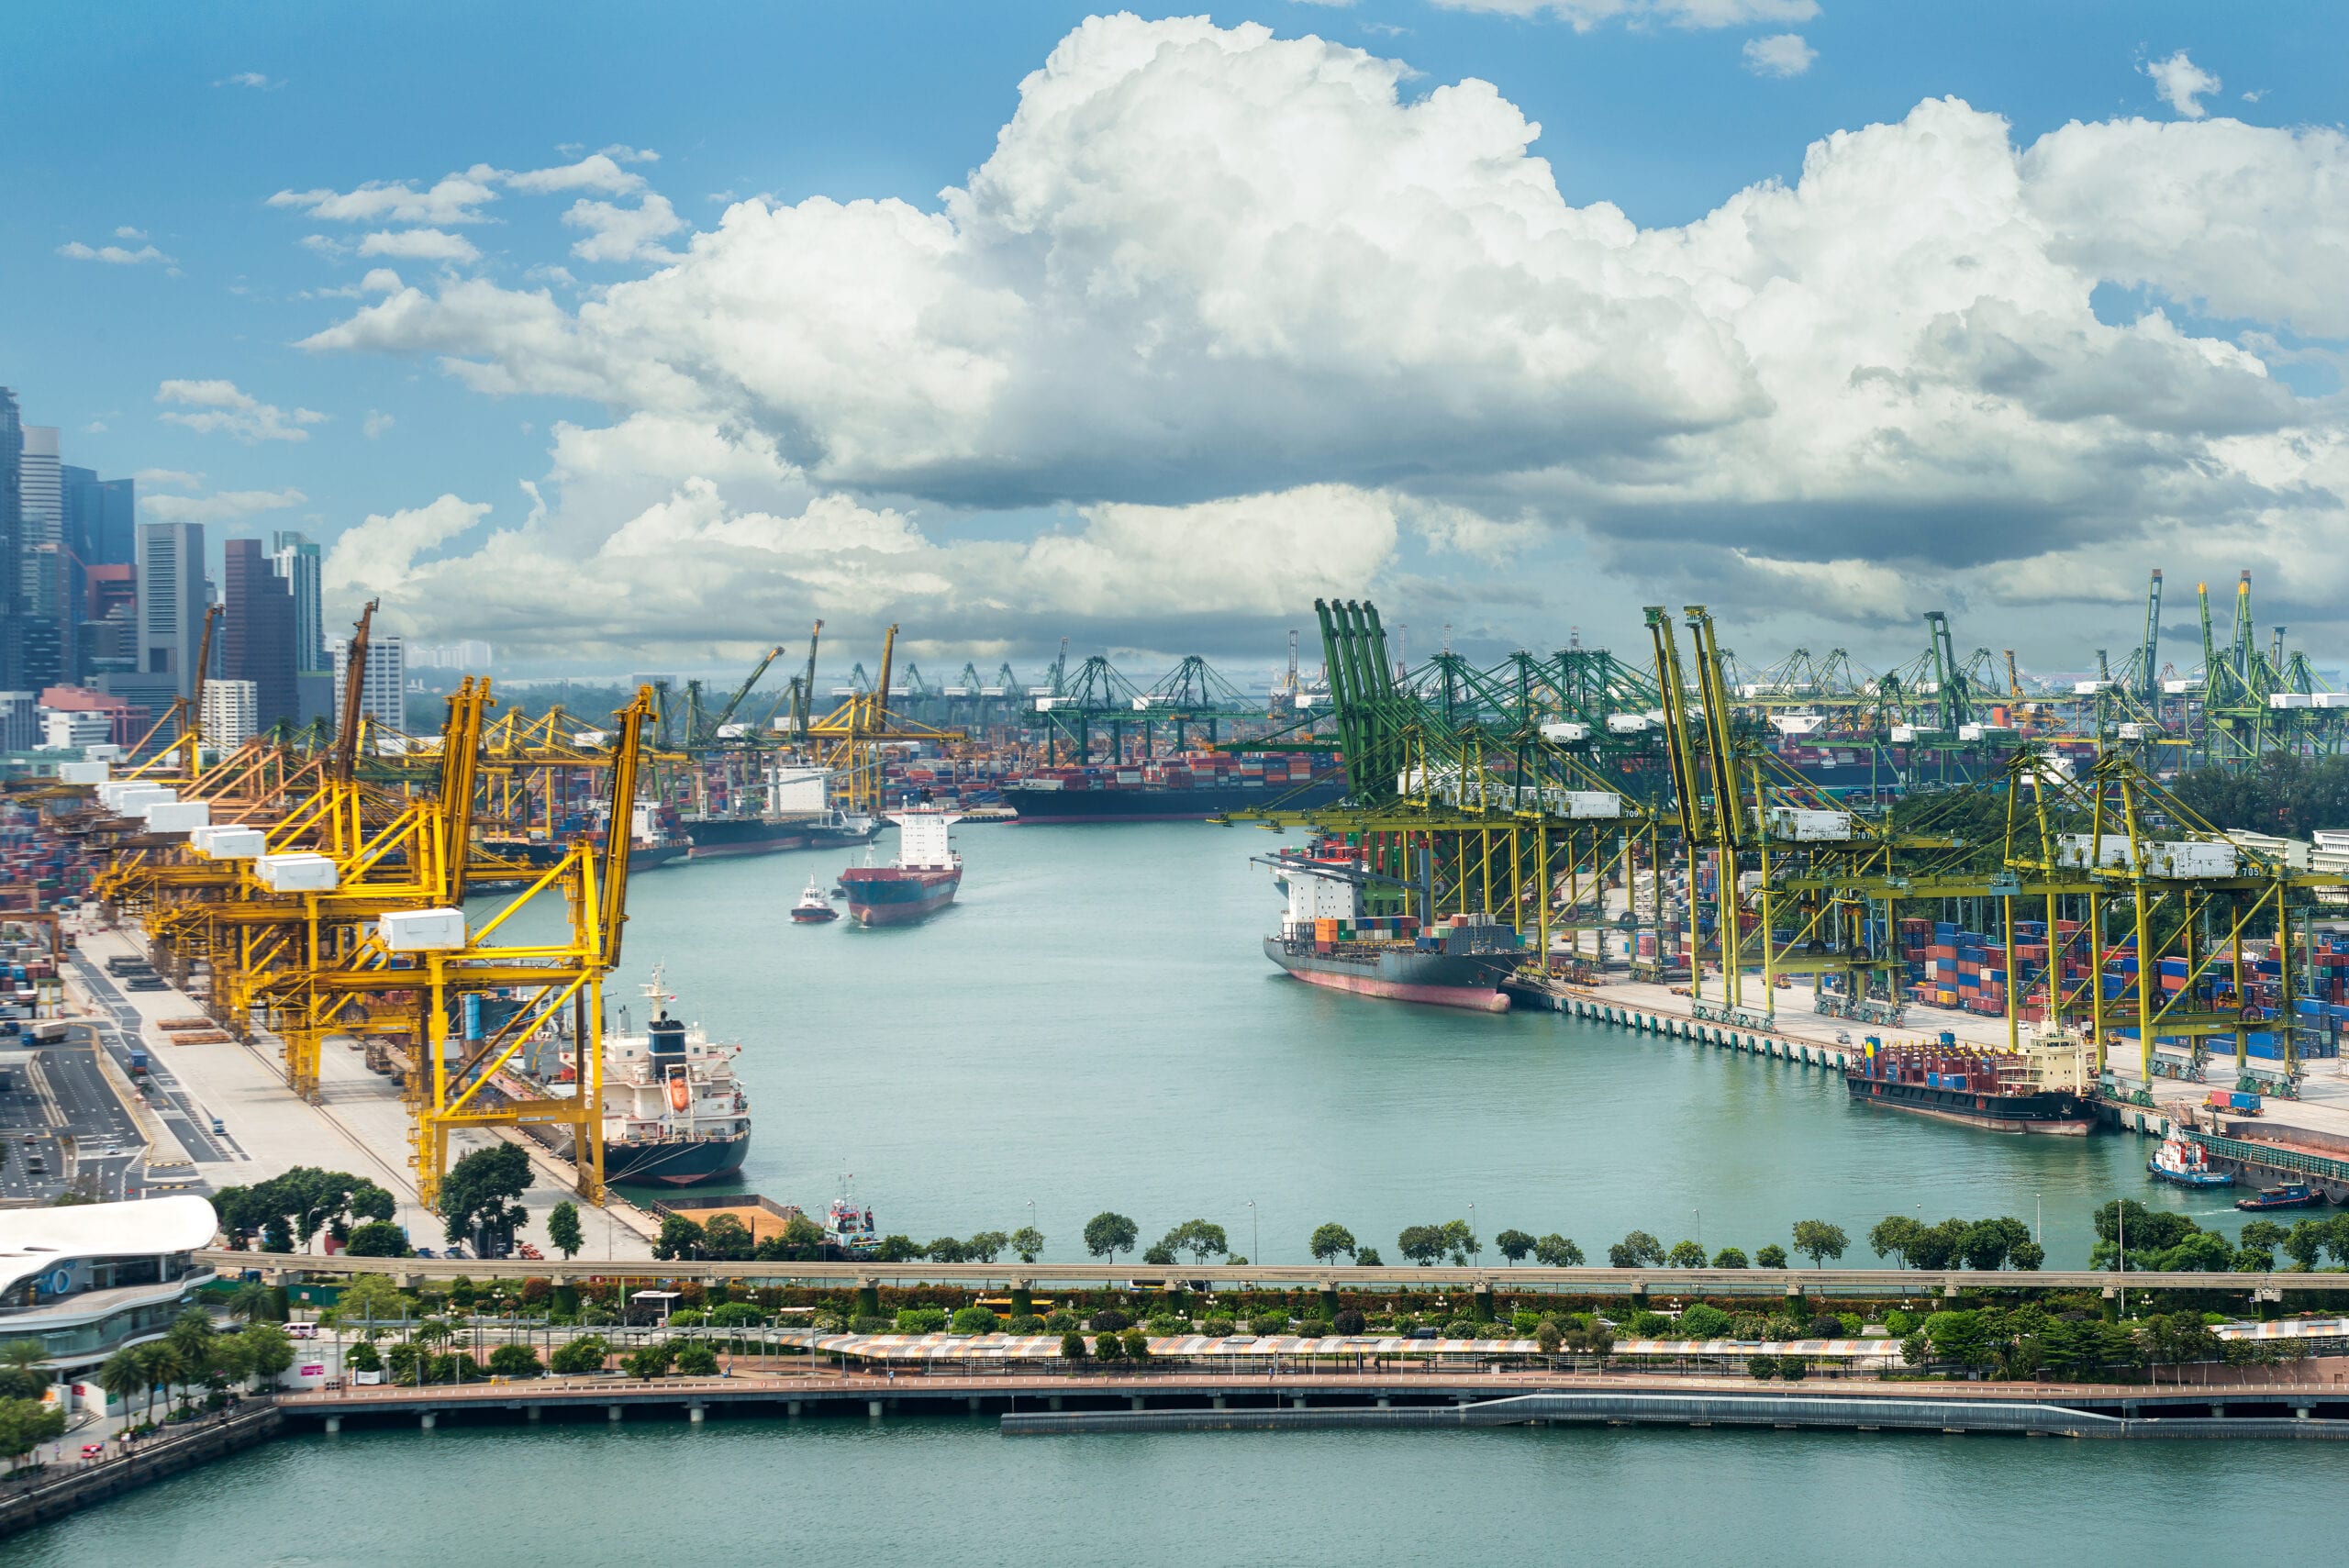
x=850, y=739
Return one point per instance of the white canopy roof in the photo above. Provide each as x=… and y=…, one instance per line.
x=35, y=1240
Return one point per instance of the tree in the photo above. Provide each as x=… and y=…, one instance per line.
x=1895, y=1236
x=1027, y=1243
x=975, y=1320
x=1818, y=1240
x=579, y=1357
x=1637, y=1249
x=650, y=1360
x=2304, y=1243
x=562, y=1229
x=514, y=1361
x=895, y=1249
x=1514, y=1245
x=1770, y=1257
x=1686, y=1255
x=1109, y=1233
x=1159, y=1255
x=249, y=1301
x=696, y=1360
x=943, y=1250
x=1330, y=1241
x=122, y=1375
x=478, y=1194
x=1703, y=1322
x=1991, y=1244
x=25, y=1424
x=1073, y=1346
x=1729, y=1258
x=1422, y=1244
x=267, y=1352
x=1203, y=1239
x=21, y=1376
x=1459, y=1242
x=1964, y=1338
x=377, y=1239
x=370, y=1298
x=679, y=1237
x=1136, y=1345
x=1549, y=1336
x=985, y=1247
x=728, y=1239
x=1555, y=1251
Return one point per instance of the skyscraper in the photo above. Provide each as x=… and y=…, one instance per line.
x=260, y=633
x=382, y=684
x=230, y=716
x=295, y=559
x=42, y=558
x=11, y=609
x=171, y=602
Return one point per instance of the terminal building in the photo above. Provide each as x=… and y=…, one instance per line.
x=84, y=1281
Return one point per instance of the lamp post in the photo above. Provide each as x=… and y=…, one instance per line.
x=1255, y=1237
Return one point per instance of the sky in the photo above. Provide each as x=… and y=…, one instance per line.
x=623, y=338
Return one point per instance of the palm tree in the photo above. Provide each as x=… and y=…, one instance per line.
x=122, y=1375
x=167, y=1367
x=20, y=1366
x=249, y=1301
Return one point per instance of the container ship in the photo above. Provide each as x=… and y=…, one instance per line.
x=1190, y=788
x=1325, y=939
x=921, y=882
x=673, y=1111
x=796, y=815
x=2046, y=1087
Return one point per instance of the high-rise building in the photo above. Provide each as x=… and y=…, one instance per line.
x=260, y=642
x=231, y=716
x=114, y=524
x=295, y=557
x=19, y=721
x=11, y=609
x=172, y=597
x=383, y=684
x=43, y=558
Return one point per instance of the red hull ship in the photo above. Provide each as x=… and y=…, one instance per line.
x=923, y=883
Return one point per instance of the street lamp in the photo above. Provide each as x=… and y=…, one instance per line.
x=1255, y=1237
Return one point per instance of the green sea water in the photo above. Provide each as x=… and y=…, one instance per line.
x=953, y=1494
x=1093, y=1025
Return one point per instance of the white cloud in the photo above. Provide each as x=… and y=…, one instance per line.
x=623, y=234
x=382, y=549
x=627, y=154
x=1781, y=54
x=1585, y=15
x=114, y=255
x=176, y=478
x=252, y=79
x=226, y=506
x=126, y=232
x=212, y=407
x=598, y=172
x=1203, y=263
x=419, y=245
x=456, y=198
x=2182, y=84
x=376, y=423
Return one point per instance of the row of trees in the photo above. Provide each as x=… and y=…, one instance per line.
x=195, y=1354
x=2161, y=1239
x=286, y=1212
x=1998, y=1243
x=2028, y=1342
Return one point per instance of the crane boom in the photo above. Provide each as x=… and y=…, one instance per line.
x=726, y=713
x=354, y=683
x=799, y=706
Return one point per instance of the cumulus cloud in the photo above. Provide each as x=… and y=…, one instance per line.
x=376, y=423
x=211, y=408
x=616, y=233
x=454, y=199
x=419, y=245
x=114, y=255
x=225, y=507
x=2181, y=83
x=1585, y=15
x=1202, y=264
x=382, y=549
x=252, y=79
x=598, y=172
x=1780, y=54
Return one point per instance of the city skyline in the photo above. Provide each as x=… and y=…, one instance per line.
x=1449, y=306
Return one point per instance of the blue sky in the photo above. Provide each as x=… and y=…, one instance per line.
x=175, y=125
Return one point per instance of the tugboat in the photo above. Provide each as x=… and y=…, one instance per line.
x=2291, y=1194
x=919, y=885
x=2182, y=1163
x=849, y=1227
x=673, y=1111
x=813, y=908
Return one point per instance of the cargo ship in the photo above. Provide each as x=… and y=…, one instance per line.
x=1184, y=789
x=920, y=882
x=1325, y=940
x=2045, y=1087
x=673, y=1111
x=797, y=815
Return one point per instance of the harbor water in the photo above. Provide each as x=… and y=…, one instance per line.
x=1092, y=1025
x=953, y=1494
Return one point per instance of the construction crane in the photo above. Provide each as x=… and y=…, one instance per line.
x=849, y=739
x=354, y=681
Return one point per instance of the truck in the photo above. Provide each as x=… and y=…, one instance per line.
x=138, y=1061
